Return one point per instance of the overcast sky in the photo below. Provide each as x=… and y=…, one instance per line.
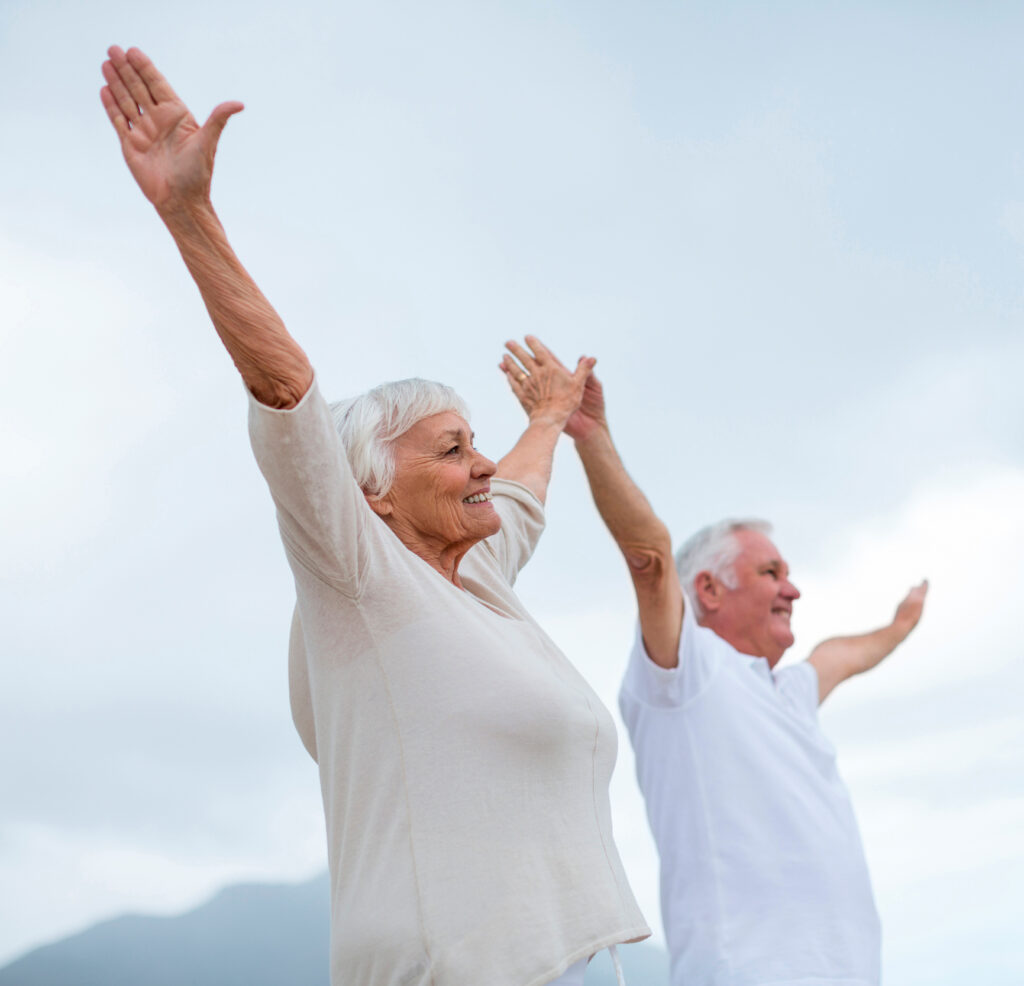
x=791, y=233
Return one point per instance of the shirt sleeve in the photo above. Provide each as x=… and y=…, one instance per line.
x=798, y=684
x=522, y=523
x=651, y=684
x=321, y=511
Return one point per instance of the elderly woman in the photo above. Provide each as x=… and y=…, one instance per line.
x=464, y=762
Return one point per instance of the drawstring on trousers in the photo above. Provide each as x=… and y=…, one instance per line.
x=614, y=952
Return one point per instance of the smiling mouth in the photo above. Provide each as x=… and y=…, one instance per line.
x=478, y=498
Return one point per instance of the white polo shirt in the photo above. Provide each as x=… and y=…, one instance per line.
x=763, y=876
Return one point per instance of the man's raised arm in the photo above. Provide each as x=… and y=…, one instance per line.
x=840, y=658
x=642, y=538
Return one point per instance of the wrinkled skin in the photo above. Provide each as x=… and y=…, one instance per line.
x=428, y=508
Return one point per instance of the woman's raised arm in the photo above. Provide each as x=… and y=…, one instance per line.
x=171, y=158
x=550, y=393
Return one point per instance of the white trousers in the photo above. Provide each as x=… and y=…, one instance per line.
x=573, y=976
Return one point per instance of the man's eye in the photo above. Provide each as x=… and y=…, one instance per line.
x=454, y=448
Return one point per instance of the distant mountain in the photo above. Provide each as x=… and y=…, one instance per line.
x=247, y=935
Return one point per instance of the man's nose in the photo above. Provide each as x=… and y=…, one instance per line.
x=790, y=590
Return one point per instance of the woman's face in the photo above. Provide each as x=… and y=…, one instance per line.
x=440, y=499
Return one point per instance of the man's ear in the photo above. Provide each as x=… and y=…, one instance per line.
x=380, y=505
x=709, y=591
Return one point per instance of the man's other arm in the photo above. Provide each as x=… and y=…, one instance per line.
x=840, y=658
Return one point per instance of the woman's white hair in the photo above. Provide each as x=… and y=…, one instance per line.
x=713, y=549
x=370, y=423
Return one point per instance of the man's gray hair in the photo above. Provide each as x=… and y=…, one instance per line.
x=713, y=549
x=370, y=423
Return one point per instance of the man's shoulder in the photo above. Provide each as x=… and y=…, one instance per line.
x=701, y=645
x=701, y=655
x=798, y=683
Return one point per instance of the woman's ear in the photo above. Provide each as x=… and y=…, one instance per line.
x=380, y=505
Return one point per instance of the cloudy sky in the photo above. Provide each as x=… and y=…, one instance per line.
x=792, y=234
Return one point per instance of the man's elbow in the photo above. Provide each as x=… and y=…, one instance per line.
x=648, y=565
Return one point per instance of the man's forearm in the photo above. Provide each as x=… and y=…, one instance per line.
x=839, y=658
x=861, y=652
x=644, y=541
x=623, y=507
x=271, y=363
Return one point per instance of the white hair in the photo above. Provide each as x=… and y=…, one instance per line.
x=370, y=423
x=713, y=549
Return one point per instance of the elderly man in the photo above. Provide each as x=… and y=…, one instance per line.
x=763, y=875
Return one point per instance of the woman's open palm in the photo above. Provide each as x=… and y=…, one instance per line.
x=168, y=153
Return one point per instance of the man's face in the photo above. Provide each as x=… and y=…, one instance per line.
x=754, y=617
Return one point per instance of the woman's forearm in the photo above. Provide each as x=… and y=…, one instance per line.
x=171, y=159
x=271, y=362
x=529, y=460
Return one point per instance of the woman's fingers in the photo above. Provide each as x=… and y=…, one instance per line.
x=539, y=358
x=512, y=369
x=131, y=79
x=135, y=86
x=113, y=110
x=119, y=91
x=584, y=367
x=217, y=120
x=516, y=379
x=541, y=353
x=524, y=357
x=159, y=88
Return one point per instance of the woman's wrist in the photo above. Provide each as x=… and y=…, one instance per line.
x=181, y=213
x=547, y=417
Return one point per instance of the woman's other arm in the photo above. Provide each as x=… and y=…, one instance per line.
x=171, y=158
x=550, y=394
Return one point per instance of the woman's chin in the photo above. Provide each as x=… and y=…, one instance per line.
x=484, y=518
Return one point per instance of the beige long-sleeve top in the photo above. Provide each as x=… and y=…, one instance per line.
x=464, y=762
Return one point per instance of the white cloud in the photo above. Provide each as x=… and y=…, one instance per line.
x=75, y=334
x=966, y=535
x=947, y=752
